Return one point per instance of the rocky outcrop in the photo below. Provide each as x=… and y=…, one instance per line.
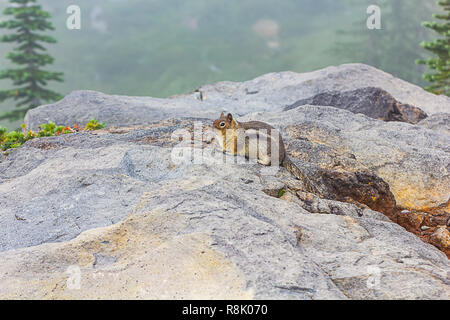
x=271, y=92
x=338, y=148
x=115, y=212
x=132, y=211
x=372, y=102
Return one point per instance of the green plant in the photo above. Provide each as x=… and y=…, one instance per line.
x=440, y=63
x=14, y=139
x=3, y=132
x=281, y=193
x=94, y=125
x=47, y=129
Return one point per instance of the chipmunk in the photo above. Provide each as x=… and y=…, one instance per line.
x=253, y=139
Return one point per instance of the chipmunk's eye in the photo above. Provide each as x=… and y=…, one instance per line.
x=222, y=124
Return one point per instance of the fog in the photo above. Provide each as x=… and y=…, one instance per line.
x=160, y=48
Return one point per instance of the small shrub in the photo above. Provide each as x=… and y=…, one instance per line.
x=3, y=132
x=47, y=129
x=94, y=125
x=14, y=139
x=281, y=193
x=11, y=139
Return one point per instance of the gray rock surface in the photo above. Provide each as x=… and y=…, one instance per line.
x=274, y=91
x=116, y=214
x=270, y=92
x=129, y=221
x=438, y=122
x=414, y=161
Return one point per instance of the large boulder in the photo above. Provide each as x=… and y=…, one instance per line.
x=132, y=211
x=346, y=155
x=270, y=92
x=113, y=214
x=414, y=161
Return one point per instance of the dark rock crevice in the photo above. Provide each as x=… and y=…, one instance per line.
x=372, y=102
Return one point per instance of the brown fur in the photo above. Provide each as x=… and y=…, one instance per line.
x=228, y=130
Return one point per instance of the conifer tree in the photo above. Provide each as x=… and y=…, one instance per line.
x=440, y=63
x=25, y=29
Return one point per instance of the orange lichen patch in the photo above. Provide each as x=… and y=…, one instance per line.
x=411, y=221
x=441, y=239
x=418, y=196
x=445, y=207
x=438, y=216
x=432, y=225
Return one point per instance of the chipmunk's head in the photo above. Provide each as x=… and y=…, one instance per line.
x=225, y=123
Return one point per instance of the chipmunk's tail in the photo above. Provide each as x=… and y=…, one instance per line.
x=299, y=174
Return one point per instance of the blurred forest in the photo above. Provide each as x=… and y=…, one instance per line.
x=164, y=47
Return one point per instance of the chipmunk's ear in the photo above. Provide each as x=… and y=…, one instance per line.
x=222, y=115
x=230, y=117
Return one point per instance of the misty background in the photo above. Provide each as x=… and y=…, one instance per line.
x=164, y=47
